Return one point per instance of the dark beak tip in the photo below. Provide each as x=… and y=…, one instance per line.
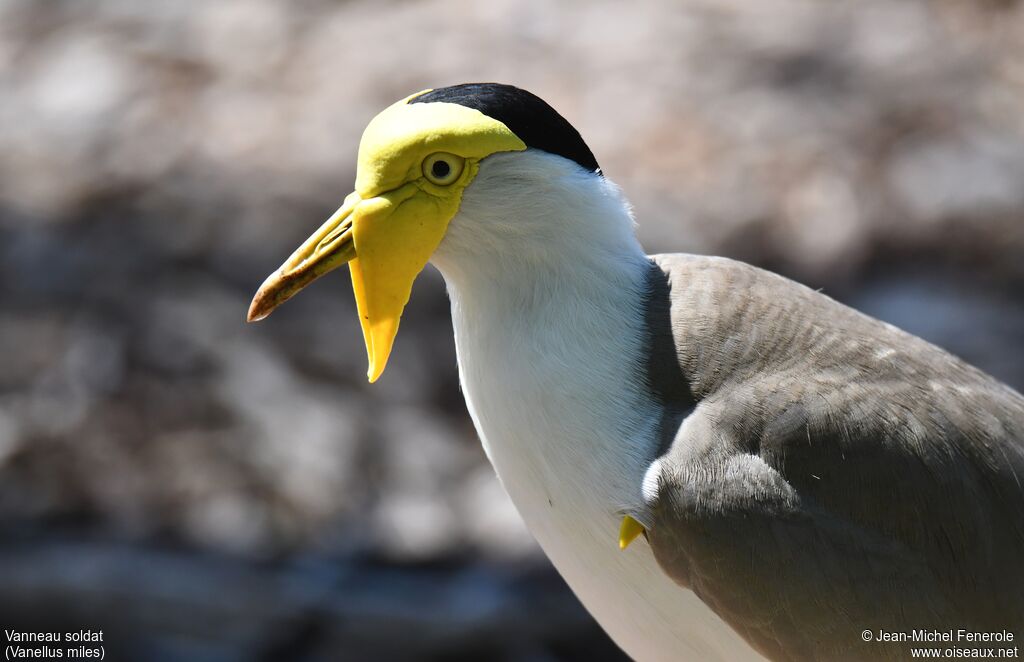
x=255, y=315
x=261, y=307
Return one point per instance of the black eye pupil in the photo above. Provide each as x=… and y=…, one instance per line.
x=440, y=169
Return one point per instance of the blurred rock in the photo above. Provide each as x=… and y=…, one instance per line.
x=161, y=604
x=158, y=159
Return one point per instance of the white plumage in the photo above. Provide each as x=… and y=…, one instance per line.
x=546, y=279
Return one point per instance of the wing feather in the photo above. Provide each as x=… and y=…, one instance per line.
x=836, y=474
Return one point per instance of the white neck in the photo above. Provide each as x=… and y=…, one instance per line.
x=546, y=280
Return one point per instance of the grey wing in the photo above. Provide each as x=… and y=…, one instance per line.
x=809, y=499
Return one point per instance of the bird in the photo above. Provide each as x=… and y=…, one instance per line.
x=722, y=463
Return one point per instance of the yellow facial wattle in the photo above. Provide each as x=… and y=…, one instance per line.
x=414, y=162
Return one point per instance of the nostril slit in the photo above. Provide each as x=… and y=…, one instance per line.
x=329, y=238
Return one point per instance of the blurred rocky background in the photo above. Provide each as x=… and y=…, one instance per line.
x=207, y=490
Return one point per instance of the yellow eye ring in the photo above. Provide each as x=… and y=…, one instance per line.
x=442, y=168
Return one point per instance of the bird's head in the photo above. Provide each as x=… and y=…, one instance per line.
x=416, y=160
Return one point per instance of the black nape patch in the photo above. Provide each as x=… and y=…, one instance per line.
x=528, y=116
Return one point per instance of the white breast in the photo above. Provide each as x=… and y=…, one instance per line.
x=559, y=443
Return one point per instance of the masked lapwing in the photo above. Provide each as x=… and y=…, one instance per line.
x=798, y=474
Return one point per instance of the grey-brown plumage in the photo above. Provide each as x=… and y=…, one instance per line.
x=831, y=473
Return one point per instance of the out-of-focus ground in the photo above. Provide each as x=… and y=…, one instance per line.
x=209, y=490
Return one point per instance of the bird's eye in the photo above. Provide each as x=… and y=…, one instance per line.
x=442, y=168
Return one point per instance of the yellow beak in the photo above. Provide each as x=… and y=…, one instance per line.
x=386, y=241
x=326, y=249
